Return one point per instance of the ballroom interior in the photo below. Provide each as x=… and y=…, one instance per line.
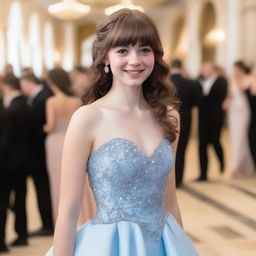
x=218, y=215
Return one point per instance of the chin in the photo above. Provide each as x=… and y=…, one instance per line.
x=134, y=84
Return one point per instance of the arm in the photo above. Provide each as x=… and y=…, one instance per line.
x=77, y=147
x=228, y=99
x=253, y=86
x=170, y=199
x=50, y=116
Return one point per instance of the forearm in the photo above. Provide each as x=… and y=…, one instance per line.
x=64, y=236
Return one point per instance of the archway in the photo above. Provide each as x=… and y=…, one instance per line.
x=85, y=35
x=208, y=24
x=179, y=38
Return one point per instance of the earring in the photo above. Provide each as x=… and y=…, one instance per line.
x=106, y=69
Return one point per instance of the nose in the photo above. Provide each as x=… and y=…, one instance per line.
x=134, y=58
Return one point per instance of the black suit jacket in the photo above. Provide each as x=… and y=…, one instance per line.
x=17, y=135
x=38, y=106
x=189, y=93
x=211, y=112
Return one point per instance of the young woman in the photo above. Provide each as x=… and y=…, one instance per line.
x=126, y=139
x=239, y=121
x=59, y=110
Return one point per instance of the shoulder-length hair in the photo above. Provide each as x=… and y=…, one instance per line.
x=128, y=27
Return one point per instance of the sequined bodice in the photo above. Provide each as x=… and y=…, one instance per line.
x=128, y=185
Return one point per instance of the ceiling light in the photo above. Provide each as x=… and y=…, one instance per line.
x=123, y=4
x=214, y=37
x=69, y=10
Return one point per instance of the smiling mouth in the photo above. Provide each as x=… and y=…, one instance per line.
x=133, y=71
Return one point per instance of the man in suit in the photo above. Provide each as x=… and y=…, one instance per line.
x=37, y=95
x=16, y=153
x=189, y=94
x=211, y=115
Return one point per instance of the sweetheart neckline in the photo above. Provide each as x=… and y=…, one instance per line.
x=132, y=143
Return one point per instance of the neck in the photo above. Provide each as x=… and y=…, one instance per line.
x=33, y=89
x=211, y=76
x=127, y=97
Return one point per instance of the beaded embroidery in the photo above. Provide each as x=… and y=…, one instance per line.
x=129, y=186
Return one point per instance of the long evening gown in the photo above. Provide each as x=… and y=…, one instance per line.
x=238, y=123
x=252, y=128
x=54, y=146
x=129, y=190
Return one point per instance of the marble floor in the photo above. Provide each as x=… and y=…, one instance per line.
x=219, y=216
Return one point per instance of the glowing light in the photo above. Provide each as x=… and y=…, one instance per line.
x=215, y=37
x=123, y=4
x=69, y=10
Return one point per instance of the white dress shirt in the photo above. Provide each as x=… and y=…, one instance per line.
x=207, y=84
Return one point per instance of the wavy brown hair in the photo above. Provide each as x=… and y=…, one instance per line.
x=128, y=27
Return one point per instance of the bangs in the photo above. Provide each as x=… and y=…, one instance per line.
x=132, y=29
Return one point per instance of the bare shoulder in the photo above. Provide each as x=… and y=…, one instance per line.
x=86, y=115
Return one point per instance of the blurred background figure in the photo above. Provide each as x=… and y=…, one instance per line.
x=79, y=79
x=37, y=96
x=17, y=138
x=220, y=71
x=8, y=69
x=26, y=71
x=250, y=91
x=211, y=116
x=189, y=95
x=239, y=118
x=59, y=109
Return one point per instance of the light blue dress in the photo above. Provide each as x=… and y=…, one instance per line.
x=128, y=187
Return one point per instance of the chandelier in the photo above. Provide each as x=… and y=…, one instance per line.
x=123, y=4
x=68, y=10
x=214, y=37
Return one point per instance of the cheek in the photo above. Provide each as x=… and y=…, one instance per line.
x=116, y=65
x=151, y=61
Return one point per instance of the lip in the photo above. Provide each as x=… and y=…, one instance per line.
x=134, y=73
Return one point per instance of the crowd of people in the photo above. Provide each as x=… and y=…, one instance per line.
x=217, y=98
x=34, y=116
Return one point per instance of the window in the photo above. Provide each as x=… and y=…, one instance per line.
x=15, y=37
x=68, y=58
x=86, y=59
x=35, y=53
x=48, y=46
x=2, y=52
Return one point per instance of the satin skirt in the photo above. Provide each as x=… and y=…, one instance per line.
x=125, y=238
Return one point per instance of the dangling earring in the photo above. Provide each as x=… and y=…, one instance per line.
x=106, y=69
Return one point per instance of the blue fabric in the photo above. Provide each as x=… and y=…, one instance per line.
x=128, y=187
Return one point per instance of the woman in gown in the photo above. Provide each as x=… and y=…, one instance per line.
x=250, y=91
x=59, y=110
x=238, y=122
x=126, y=139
